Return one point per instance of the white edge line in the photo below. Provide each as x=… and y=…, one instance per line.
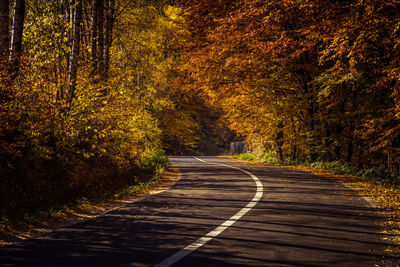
x=203, y=240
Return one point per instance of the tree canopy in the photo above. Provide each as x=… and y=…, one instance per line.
x=313, y=80
x=111, y=85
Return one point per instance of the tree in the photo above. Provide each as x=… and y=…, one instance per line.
x=108, y=36
x=94, y=34
x=300, y=76
x=98, y=36
x=58, y=122
x=16, y=36
x=4, y=32
x=74, y=56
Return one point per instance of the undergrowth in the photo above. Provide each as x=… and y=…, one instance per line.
x=144, y=173
x=379, y=175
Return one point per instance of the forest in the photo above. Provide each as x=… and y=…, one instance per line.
x=95, y=93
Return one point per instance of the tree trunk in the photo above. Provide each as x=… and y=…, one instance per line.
x=97, y=37
x=294, y=152
x=73, y=67
x=279, y=140
x=16, y=37
x=94, y=35
x=350, y=145
x=86, y=28
x=110, y=10
x=4, y=34
x=100, y=37
x=68, y=34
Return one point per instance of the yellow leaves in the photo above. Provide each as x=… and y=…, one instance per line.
x=173, y=12
x=87, y=155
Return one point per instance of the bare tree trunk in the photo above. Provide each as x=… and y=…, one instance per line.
x=67, y=8
x=100, y=38
x=350, y=144
x=94, y=36
x=279, y=141
x=86, y=29
x=4, y=33
x=109, y=25
x=73, y=67
x=16, y=37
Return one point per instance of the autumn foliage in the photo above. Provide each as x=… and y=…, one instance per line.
x=93, y=92
x=309, y=80
x=83, y=112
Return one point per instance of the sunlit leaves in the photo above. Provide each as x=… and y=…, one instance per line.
x=315, y=72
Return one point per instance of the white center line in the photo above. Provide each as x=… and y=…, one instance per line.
x=203, y=240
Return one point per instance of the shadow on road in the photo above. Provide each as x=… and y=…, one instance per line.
x=301, y=220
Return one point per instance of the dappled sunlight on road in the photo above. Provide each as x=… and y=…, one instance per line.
x=301, y=220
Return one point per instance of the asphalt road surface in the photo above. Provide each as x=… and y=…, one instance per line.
x=216, y=215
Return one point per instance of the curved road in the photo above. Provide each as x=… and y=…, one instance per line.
x=298, y=219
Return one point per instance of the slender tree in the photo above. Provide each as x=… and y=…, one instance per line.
x=4, y=34
x=100, y=38
x=73, y=66
x=108, y=28
x=94, y=34
x=16, y=37
x=97, y=53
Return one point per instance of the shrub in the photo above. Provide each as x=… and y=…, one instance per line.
x=266, y=157
x=377, y=174
x=152, y=162
x=247, y=156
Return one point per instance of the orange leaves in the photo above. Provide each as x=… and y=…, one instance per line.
x=312, y=71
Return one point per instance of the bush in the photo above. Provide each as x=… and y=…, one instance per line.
x=247, y=156
x=265, y=157
x=268, y=157
x=318, y=164
x=51, y=157
x=295, y=162
x=152, y=162
x=379, y=174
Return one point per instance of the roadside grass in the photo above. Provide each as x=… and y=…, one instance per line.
x=375, y=183
x=84, y=208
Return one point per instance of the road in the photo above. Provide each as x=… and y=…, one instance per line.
x=287, y=218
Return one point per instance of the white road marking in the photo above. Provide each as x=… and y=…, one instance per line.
x=203, y=240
